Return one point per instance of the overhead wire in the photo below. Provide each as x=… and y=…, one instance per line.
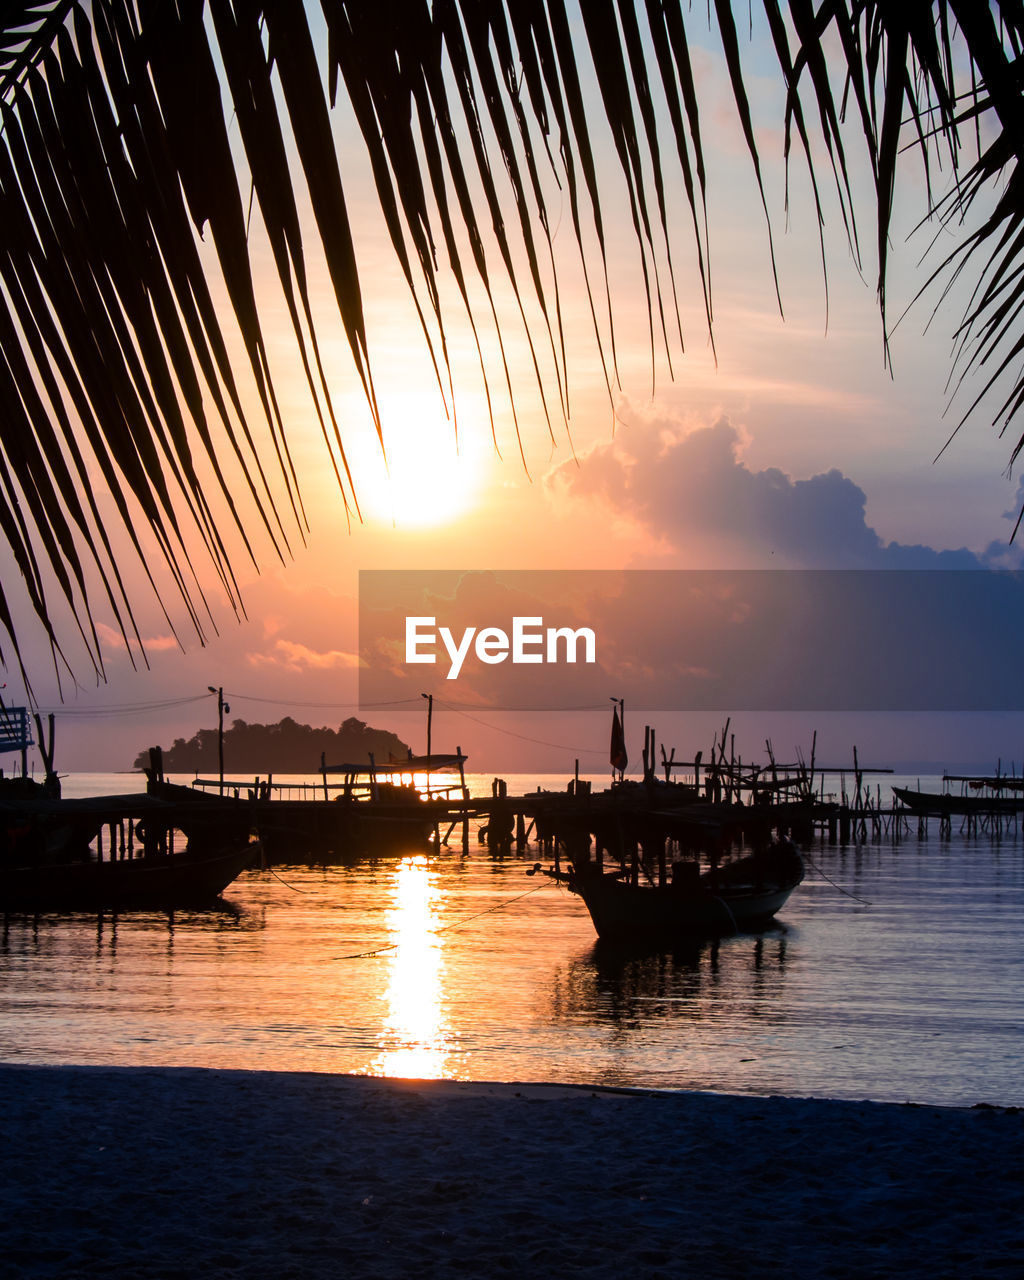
x=293, y=702
x=122, y=708
x=561, y=746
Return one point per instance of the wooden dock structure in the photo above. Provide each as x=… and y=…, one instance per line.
x=715, y=804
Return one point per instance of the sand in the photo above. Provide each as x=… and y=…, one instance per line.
x=164, y=1172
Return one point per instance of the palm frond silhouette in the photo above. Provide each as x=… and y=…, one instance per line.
x=120, y=385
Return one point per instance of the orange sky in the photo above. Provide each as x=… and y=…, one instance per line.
x=787, y=402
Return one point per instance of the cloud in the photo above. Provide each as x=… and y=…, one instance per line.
x=111, y=638
x=293, y=656
x=1017, y=506
x=678, y=481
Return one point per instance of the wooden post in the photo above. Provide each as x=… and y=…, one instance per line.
x=858, y=778
x=51, y=782
x=465, y=796
x=430, y=719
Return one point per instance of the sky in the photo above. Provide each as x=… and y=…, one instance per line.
x=792, y=445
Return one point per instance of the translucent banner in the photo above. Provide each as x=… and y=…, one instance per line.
x=738, y=640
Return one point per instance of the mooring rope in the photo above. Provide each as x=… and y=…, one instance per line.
x=294, y=887
x=811, y=863
x=456, y=924
x=728, y=911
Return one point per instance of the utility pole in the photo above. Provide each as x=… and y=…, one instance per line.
x=222, y=706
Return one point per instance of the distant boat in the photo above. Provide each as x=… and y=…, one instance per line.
x=52, y=854
x=990, y=782
x=735, y=896
x=933, y=804
x=367, y=810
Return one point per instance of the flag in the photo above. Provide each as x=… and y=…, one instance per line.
x=618, y=756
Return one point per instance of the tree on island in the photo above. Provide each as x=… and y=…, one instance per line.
x=285, y=747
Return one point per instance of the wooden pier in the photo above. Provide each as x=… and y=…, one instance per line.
x=713, y=805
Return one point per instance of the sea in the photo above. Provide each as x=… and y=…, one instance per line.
x=895, y=973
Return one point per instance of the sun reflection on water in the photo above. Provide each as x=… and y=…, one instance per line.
x=415, y=1039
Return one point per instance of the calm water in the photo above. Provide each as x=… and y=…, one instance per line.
x=389, y=968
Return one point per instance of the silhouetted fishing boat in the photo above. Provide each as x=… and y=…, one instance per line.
x=730, y=898
x=115, y=852
x=933, y=804
x=356, y=809
x=157, y=882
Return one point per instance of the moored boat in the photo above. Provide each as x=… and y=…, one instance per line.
x=741, y=895
x=932, y=804
x=156, y=881
x=119, y=852
x=357, y=809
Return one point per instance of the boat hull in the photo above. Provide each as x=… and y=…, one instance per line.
x=622, y=911
x=292, y=830
x=927, y=804
x=154, y=883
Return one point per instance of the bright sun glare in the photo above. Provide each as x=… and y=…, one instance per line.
x=415, y=1040
x=426, y=480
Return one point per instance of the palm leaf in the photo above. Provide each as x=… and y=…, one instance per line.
x=113, y=163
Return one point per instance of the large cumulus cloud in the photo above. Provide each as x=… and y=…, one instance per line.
x=678, y=482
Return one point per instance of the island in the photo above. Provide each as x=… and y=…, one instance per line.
x=284, y=747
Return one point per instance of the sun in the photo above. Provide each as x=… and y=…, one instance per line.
x=425, y=477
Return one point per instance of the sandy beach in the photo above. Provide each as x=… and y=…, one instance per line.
x=164, y=1172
